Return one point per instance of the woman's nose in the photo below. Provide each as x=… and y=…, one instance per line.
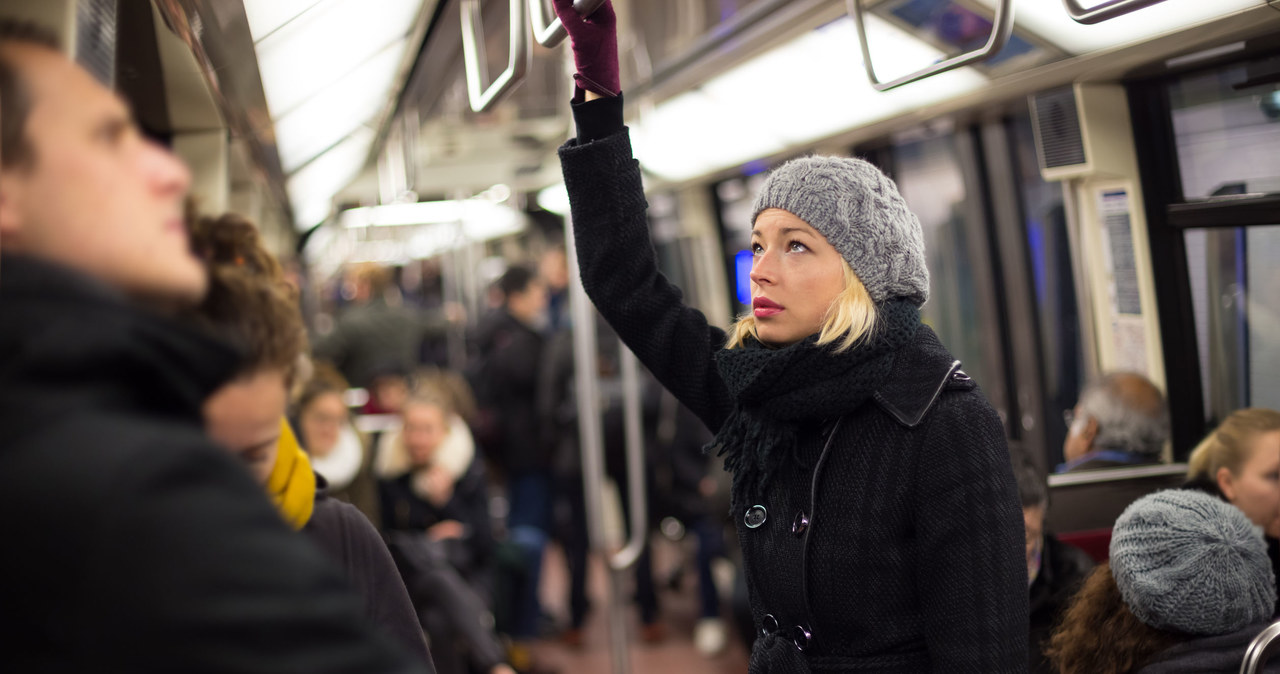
x=762, y=272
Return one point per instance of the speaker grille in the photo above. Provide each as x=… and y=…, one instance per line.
x=1058, y=128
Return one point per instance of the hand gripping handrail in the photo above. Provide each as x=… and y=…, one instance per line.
x=1001, y=29
x=552, y=34
x=473, y=56
x=1107, y=10
x=1261, y=649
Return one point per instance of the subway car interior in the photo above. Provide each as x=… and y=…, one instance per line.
x=1096, y=182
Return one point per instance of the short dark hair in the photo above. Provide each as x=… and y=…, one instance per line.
x=15, y=97
x=1033, y=490
x=516, y=279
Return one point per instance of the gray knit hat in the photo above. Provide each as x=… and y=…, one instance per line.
x=859, y=210
x=1190, y=562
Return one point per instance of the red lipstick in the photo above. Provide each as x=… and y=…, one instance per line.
x=763, y=307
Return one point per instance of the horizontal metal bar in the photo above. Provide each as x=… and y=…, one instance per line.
x=1001, y=29
x=1113, y=474
x=480, y=97
x=553, y=33
x=1233, y=211
x=1105, y=11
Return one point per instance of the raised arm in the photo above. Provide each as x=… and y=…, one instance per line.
x=618, y=264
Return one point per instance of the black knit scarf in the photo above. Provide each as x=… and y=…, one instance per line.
x=776, y=390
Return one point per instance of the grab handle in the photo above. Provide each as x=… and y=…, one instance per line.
x=1107, y=10
x=473, y=57
x=1001, y=29
x=552, y=34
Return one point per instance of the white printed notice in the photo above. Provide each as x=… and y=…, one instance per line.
x=1128, y=331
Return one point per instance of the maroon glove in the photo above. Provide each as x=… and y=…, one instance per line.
x=595, y=47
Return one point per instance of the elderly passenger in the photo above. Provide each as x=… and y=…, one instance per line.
x=1120, y=420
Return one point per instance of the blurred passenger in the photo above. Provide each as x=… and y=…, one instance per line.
x=1188, y=586
x=337, y=451
x=554, y=270
x=378, y=333
x=510, y=353
x=1120, y=420
x=250, y=306
x=135, y=544
x=1054, y=569
x=1240, y=462
x=388, y=390
x=872, y=489
x=434, y=494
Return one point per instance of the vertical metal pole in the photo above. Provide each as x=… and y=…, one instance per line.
x=591, y=442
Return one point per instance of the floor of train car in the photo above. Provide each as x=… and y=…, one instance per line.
x=678, y=610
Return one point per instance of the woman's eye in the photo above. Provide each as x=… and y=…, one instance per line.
x=756, y=249
x=797, y=247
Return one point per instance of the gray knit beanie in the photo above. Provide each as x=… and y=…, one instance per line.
x=1192, y=563
x=858, y=209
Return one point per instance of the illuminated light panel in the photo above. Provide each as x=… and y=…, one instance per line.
x=312, y=187
x=337, y=111
x=555, y=199
x=1049, y=20
x=732, y=119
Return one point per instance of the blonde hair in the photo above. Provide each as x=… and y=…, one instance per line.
x=850, y=318
x=1228, y=445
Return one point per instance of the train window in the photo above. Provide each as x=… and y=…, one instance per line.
x=931, y=179
x=1235, y=288
x=1049, y=252
x=1227, y=133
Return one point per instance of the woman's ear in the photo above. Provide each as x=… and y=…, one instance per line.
x=1227, y=483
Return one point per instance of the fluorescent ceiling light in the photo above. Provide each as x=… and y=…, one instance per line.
x=401, y=215
x=555, y=199
x=312, y=187
x=1049, y=20
x=305, y=55
x=333, y=114
x=731, y=119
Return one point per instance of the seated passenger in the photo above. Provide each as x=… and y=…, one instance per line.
x=250, y=306
x=1120, y=420
x=1240, y=463
x=133, y=543
x=1054, y=569
x=433, y=484
x=1188, y=586
x=336, y=450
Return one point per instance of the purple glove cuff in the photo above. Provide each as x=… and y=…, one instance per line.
x=584, y=82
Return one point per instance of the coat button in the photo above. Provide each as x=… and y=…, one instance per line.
x=769, y=625
x=800, y=524
x=801, y=636
x=756, y=515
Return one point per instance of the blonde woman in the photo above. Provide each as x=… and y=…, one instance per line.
x=1240, y=463
x=873, y=493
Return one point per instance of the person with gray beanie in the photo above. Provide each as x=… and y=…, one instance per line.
x=1188, y=586
x=872, y=488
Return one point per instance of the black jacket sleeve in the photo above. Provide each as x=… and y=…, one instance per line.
x=620, y=272
x=972, y=567
x=194, y=571
x=343, y=532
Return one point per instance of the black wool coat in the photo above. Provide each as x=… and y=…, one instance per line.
x=132, y=543
x=895, y=543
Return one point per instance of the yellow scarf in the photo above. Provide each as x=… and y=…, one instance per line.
x=292, y=484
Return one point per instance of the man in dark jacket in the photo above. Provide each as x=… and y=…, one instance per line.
x=134, y=544
x=1056, y=570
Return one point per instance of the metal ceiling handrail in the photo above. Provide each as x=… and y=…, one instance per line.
x=553, y=33
x=1001, y=29
x=1261, y=649
x=473, y=57
x=1105, y=11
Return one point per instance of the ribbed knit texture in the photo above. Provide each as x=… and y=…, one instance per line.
x=1188, y=562
x=775, y=389
x=915, y=558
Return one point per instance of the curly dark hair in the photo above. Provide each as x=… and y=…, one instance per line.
x=1100, y=635
x=249, y=303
